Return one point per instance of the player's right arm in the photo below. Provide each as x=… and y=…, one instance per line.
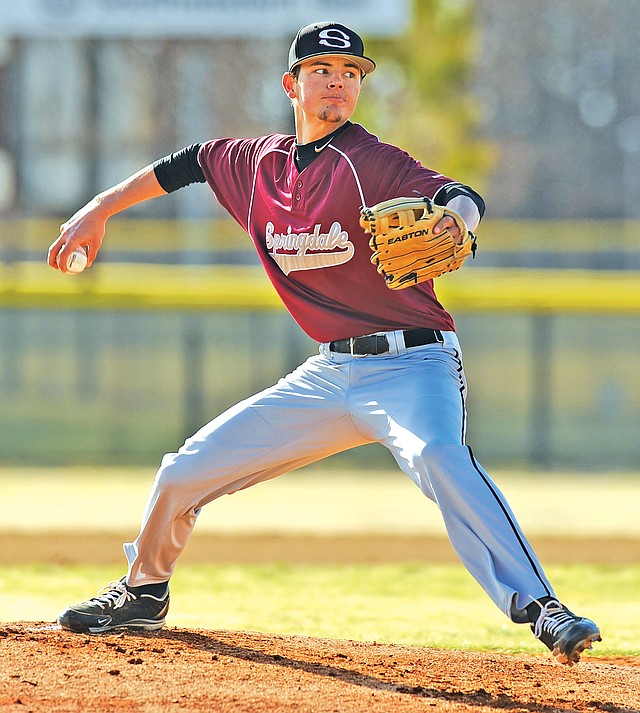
x=88, y=225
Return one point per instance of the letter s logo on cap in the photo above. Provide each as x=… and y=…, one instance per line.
x=335, y=38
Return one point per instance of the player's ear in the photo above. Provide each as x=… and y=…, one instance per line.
x=288, y=80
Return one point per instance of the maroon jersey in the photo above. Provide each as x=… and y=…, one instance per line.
x=305, y=227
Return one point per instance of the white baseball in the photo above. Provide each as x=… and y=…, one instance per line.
x=77, y=261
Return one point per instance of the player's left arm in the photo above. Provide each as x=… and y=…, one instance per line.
x=464, y=201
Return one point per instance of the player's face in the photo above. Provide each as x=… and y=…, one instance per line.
x=326, y=90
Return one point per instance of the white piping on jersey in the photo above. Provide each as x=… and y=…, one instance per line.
x=286, y=153
x=353, y=170
x=351, y=166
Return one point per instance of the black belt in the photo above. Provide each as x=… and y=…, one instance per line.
x=379, y=344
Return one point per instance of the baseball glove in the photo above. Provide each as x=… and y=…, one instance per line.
x=405, y=250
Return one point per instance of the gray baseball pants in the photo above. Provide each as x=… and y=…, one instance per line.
x=411, y=400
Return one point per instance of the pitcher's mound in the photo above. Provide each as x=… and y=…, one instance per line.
x=43, y=668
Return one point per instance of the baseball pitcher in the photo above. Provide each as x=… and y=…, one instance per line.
x=352, y=233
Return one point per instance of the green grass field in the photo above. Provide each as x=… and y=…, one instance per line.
x=418, y=604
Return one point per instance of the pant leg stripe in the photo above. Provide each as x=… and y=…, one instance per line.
x=511, y=523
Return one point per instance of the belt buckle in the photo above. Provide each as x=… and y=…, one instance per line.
x=379, y=340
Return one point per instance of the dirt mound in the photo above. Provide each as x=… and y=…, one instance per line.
x=45, y=669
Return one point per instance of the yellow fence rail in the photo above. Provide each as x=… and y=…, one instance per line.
x=191, y=288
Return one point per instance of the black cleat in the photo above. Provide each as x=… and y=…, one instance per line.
x=563, y=633
x=117, y=606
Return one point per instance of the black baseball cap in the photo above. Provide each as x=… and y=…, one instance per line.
x=328, y=38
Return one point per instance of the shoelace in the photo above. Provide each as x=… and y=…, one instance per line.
x=114, y=594
x=553, y=618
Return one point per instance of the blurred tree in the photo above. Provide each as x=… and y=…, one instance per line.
x=420, y=96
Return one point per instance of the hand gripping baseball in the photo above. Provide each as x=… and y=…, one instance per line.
x=406, y=250
x=84, y=229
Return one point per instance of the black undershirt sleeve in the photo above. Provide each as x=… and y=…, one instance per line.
x=179, y=169
x=450, y=191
